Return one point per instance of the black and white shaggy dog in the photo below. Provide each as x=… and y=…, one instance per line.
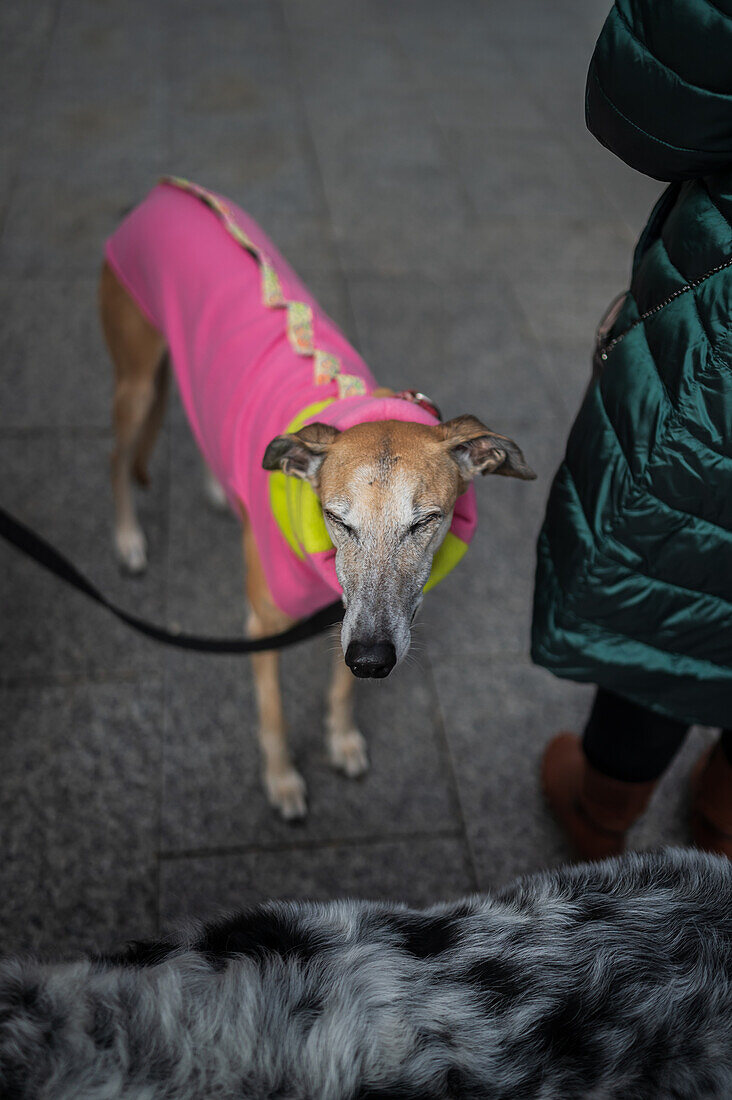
x=611, y=980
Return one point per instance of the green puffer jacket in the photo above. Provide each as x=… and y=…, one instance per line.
x=634, y=573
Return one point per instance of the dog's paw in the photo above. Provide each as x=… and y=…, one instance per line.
x=347, y=752
x=131, y=549
x=286, y=792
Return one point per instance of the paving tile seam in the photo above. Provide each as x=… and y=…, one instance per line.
x=32, y=682
x=30, y=117
x=507, y=658
x=545, y=344
x=450, y=280
x=607, y=193
x=50, y=278
x=369, y=840
x=62, y=431
x=569, y=142
x=311, y=156
x=466, y=278
x=566, y=138
x=454, y=782
x=442, y=139
x=165, y=728
x=468, y=829
x=460, y=268
x=610, y=192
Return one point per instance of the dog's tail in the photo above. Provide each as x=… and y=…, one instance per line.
x=151, y=427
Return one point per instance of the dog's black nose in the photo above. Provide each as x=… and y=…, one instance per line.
x=371, y=659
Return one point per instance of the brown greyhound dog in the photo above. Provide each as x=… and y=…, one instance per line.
x=387, y=490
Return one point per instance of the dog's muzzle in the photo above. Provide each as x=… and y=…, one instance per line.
x=372, y=660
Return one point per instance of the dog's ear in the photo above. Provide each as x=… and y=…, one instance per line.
x=300, y=454
x=478, y=450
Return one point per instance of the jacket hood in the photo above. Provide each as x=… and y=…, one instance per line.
x=659, y=87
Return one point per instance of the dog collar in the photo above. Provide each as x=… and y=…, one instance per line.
x=420, y=399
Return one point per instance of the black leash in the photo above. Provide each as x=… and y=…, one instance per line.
x=31, y=544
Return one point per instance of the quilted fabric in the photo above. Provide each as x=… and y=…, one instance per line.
x=658, y=89
x=634, y=571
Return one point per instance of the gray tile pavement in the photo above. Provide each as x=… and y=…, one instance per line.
x=79, y=808
x=58, y=483
x=50, y=333
x=379, y=869
x=212, y=795
x=495, y=734
x=425, y=167
x=473, y=349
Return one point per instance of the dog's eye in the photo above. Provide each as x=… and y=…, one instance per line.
x=424, y=522
x=337, y=522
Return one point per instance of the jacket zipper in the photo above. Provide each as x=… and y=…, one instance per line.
x=606, y=346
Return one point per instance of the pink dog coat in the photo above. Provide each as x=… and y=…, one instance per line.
x=255, y=356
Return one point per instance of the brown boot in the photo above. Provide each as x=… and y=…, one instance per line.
x=594, y=810
x=711, y=802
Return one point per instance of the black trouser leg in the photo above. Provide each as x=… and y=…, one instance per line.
x=726, y=740
x=625, y=741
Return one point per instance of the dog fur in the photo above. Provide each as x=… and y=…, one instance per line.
x=609, y=981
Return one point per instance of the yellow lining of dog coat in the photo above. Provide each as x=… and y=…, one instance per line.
x=446, y=558
x=294, y=504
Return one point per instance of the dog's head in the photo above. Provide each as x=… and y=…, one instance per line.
x=387, y=490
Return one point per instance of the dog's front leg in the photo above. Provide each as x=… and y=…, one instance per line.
x=284, y=785
x=346, y=745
